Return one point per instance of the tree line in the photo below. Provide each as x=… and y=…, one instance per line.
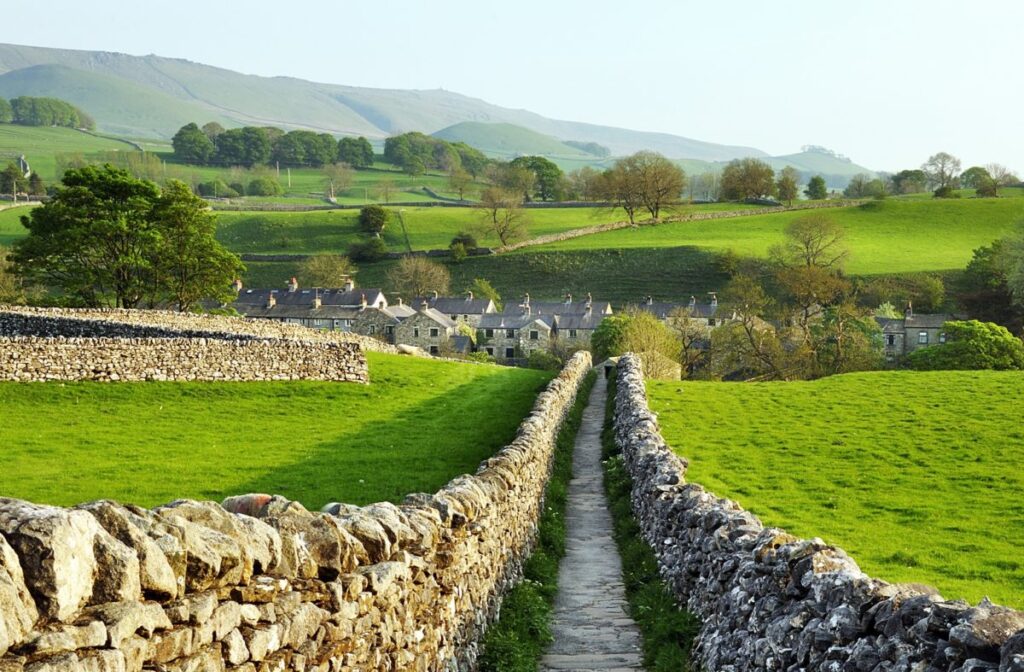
x=213, y=145
x=941, y=174
x=33, y=111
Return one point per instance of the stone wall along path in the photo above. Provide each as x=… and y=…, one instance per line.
x=591, y=626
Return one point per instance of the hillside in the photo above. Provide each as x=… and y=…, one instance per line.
x=203, y=92
x=508, y=140
x=924, y=489
x=392, y=437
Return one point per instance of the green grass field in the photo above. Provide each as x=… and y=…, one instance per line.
x=39, y=145
x=917, y=475
x=417, y=425
x=10, y=224
x=892, y=236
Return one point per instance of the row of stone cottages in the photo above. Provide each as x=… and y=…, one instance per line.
x=442, y=324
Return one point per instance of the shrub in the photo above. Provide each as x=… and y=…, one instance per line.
x=544, y=360
x=216, y=189
x=373, y=218
x=237, y=187
x=264, y=186
x=946, y=192
x=458, y=251
x=371, y=249
x=971, y=345
x=467, y=240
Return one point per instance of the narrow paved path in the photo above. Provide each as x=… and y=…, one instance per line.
x=591, y=625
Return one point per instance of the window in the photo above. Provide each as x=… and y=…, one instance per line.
x=433, y=332
x=490, y=351
x=711, y=321
x=922, y=337
x=489, y=333
x=510, y=333
x=510, y=353
x=415, y=332
x=389, y=330
x=942, y=337
x=464, y=317
x=534, y=335
x=434, y=350
x=890, y=339
x=572, y=333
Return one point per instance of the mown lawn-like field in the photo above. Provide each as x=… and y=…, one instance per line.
x=918, y=475
x=39, y=144
x=417, y=425
x=894, y=236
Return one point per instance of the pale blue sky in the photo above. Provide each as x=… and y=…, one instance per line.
x=884, y=82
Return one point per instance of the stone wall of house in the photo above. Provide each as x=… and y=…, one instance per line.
x=259, y=583
x=32, y=359
x=109, y=323
x=771, y=601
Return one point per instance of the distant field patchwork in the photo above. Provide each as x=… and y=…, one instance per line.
x=416, y=426
x=918, y=475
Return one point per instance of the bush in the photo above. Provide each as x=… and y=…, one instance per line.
x=371, y=249
x=216, y=189
x=467, y=240
x=971, y=345
x=459, y=253
x=544, y=360
x=237, y=187
x=264, y=186
x=373, y=218
x=946, y=192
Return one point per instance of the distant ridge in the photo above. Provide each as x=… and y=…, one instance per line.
x=152, y=96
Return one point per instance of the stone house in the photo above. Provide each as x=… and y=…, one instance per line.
x=573, y=331
x=571, y=323
x=318, y=308
x=463, y=310
x=708, y=315
x=429, y=329
x=511, y=338
x=557, y=308
x=901, y=336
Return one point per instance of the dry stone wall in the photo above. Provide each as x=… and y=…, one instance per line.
x=770, y=601
x=259, y=583
x=33, y=359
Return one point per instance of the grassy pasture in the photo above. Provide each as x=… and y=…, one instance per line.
x=892, y=236
x=917, y=475
x=416, y=426
x=39, y=144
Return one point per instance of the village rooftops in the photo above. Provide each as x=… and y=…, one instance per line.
x=516, y=321
x=581, y=322
x=351, y=298
x=457, y=305
x=663, y=310
x=567, y=307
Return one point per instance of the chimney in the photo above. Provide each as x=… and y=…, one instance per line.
x=316, y=299
x=650, y=300
x=435, y=295
x=424, y=307
x=238, y=285
x=271, y=300
x=469, y=296
x=568, y=299
x=714, y=299
x=909, y=312
x=293, y=285
x=349, y=284
x=693, y=302
x=362, y=301
x=400, y=301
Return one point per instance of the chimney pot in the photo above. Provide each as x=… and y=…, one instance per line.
x=435, y=295
x=349, y=285
x=469, y=295
x=362, y=301
x=293, y=285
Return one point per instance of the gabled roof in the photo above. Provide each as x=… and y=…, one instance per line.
x=662, y=310
x=282, y=312
x=585, y=321
x=457, y=305
x=328, y=297
x=928, y=321
x=400, y=311
x=519, y=321
x=560, y=307
x=435, y=316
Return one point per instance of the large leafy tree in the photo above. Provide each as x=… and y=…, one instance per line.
x=548, y=184
x=972, y=345
x=107, y=238
x=356, y=152
x=188, y=263
x=816, y=189
x=747, y=178
x=192, y=145
x=246, y=146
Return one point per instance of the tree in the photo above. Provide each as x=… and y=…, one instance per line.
x=642, y=333
x=619, y=188
x=750, y=347
x=36, y=187
x=416, y=276
x=13, y=289
x=816, y=189
x=264, y=185
x=974, y=176
x=548, y=177
x=12, y=180
x=458, y=181
x=584, y=183
x=356, y=152
x=484, y=289
x=6, y=113
x=503, y=214
x=385, y=187
x=659, y=182
x=1002, y=175
x=248, y=146
x=786, y=186
x=693, y=338
x=212, y=129
x=189, y=264
x=108, y=238
x=813, y=240
x=983, y=288
x=846, y=339
x=326, y=270
x=369, y=250
x=191, y=145
x=910, y=181
x=373, y=219
x=858, y=186
x=942, y=171
x=337, y=177
x=744, y=179
x=971, y=345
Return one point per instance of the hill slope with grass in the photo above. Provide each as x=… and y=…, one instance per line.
x=418, y=424
x=917, y=475
x=206, y=92
x=508, y=140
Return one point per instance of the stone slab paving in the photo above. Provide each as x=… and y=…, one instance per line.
x=591, y=624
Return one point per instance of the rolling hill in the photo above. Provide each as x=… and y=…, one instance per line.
x=503, y=140
x=152, y=96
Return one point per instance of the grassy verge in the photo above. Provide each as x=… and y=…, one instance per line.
x=668, y=630
x=515, y=642
x=417, y=425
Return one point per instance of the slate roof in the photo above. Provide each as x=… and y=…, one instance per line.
x=306, y=312
x=517, y=321
x=584, y=322
x=328, y=297
x=662, y=310
x=560, y=307
x=457, y=305
x=436, y=316
x=910, y=322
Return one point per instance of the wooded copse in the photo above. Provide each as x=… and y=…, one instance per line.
x=33, y=111
x=248, y=146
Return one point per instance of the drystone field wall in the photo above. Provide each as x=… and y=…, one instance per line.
x=259, y=583
x=114, y=323
x=32, y=359
x=770, y=601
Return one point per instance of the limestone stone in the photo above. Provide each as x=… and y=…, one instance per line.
x=17, y=610
x=62, y=638
x=124, y=619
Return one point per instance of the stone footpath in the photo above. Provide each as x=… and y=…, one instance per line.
x=591, y=626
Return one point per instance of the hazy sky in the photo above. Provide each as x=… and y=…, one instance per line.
x=886, y=82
